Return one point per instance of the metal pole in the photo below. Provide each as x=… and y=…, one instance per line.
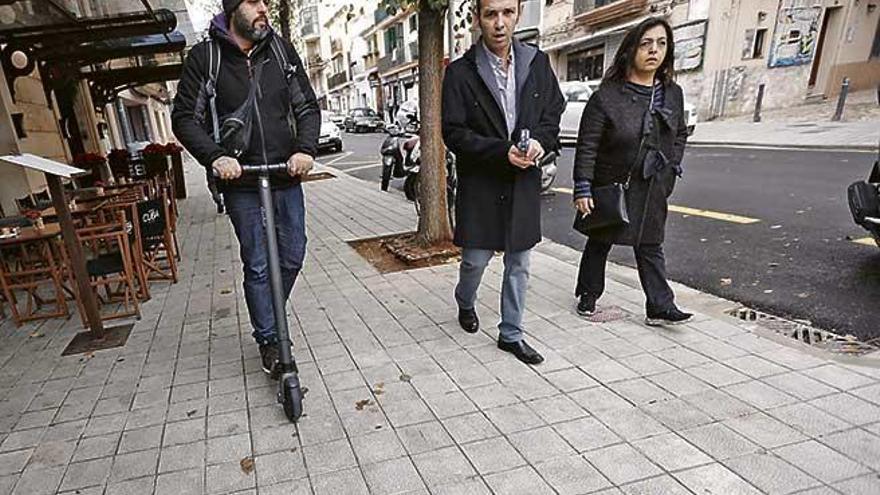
x=77, y=262
x=758, y=102
x=841, y=100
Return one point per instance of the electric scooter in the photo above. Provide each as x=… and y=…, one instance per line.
x=290, y=393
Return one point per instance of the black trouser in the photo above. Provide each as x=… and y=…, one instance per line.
x=652, y=274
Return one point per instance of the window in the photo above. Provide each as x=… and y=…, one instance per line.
x=413, y=23
x=760, y=36
x=753, y=44
x=587, y=65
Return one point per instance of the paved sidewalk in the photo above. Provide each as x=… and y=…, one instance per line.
x=402, y=401
x=858, y=136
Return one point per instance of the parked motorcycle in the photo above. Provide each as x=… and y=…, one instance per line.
x=864, y=202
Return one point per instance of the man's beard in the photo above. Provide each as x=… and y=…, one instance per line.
x=248, y=30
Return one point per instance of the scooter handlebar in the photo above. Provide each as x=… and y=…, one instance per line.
x=257, y=169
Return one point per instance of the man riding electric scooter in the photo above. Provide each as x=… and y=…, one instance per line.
x=236, y=87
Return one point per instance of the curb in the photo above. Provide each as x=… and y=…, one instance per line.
x=861, y=148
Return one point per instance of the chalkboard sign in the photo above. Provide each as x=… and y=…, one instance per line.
x=151, y=217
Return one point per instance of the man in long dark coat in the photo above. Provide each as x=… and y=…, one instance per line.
x=497, y=89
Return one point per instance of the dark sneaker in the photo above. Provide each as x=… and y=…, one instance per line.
x=468, y=320
x=269, y=357
x=522, y=351
x=672, y=316
x=586, y=305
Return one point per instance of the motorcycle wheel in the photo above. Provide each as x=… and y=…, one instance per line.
x=386, y=177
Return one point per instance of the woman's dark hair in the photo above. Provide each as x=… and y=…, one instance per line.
x=626, y=54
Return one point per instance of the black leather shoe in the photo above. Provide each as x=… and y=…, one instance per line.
x=522, y=351
x=468, y=320
x=672, y=316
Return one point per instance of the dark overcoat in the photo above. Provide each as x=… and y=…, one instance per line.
x=497, y=205
x=608, y=146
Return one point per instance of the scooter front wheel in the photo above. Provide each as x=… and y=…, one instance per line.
x=290, y=395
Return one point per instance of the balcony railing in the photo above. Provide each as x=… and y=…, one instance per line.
x=599, y=12
x=392, y=60
x=371, y=60
x=337, y=79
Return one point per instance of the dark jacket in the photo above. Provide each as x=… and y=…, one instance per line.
x=191, y=118
x=497, y=205
x=608, y=146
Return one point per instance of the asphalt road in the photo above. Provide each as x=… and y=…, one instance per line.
x=771, y=230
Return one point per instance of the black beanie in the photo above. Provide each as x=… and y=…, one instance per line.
x=229, y=6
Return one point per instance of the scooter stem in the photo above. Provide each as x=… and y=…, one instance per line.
x=284, y=355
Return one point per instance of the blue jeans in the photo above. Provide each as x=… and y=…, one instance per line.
x=249, y=222
x=513, y=287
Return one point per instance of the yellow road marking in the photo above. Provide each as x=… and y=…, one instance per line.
x=715, y=215
x=867, y=241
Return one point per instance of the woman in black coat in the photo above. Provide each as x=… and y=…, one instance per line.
x=633, y=131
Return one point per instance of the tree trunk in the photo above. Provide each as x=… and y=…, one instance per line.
x=284, y=18
x=434, y=220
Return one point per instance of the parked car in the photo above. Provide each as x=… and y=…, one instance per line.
x=330, y=137
x=690, y=112
x=576, y=94
x=336, y=118
x=364, y=120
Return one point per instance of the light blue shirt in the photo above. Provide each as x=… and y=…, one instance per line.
x=506, y=84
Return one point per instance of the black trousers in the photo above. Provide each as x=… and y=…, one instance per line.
x=652, y=274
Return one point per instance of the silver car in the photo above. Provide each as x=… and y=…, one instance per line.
x=576, y=94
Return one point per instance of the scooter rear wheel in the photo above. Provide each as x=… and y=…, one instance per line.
x=290, y=395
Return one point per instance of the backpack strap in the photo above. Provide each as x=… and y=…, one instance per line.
x=296, y=105
x=281, y=57
x=214, y=58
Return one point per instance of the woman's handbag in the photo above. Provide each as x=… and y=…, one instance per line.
x=609, y=210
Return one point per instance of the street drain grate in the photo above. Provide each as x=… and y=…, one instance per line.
x=607, y=315
x=804, y=333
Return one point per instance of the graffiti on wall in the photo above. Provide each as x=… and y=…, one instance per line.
x=690, y=39
x=797, y=30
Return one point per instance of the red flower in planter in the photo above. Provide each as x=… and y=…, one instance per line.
x=172, y=148
x=32, y=214
x=154, y=149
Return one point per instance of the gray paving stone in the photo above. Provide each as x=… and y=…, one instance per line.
x=557, y=409
x=719, y=441
x=297, y=487
x=43, y=481
x=22, y=439
x=231, y=423
x=800, y=386
x=447, y=466
x=349, y=482
x=133, y=487
x=226, y=449
x=622, y=464
x=424, y=437
x=587, y=434
x=520, y=481
x=450, y=404
x=493, y=455
x=470, y=428
x=717, y=374
x=640, y=391
x=821, y=462
x=514, y=418
x=677, y=414
x=379, y=446
x=870, y=394
x=50, y=454
x=771, y=474
x=470, y=487
x=839, y=377
x=848, y=408
x=865, y=485
x=134, y=465
x=764, y=430
x=571, y=475
x=393, y=476
x=570, y=380
x=279, y=467
x=178, y=457
x=681, y=357
x=755, y=366
x=720, y=405
x=662, y=485
x=607, y=371
x=141, y=439
x=407, y=412
x=760, y=395
x=599, y=399
x=809, y=420
x=226, y=478
x=328, y=457
x=85, y=474
x=14, y=462
x=491, y=396
x=184, y=432
x=671, y=452
x=715, y=479
x=541, y=444
x=679, y=383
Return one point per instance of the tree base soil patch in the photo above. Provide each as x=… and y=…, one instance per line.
x=399, y=252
